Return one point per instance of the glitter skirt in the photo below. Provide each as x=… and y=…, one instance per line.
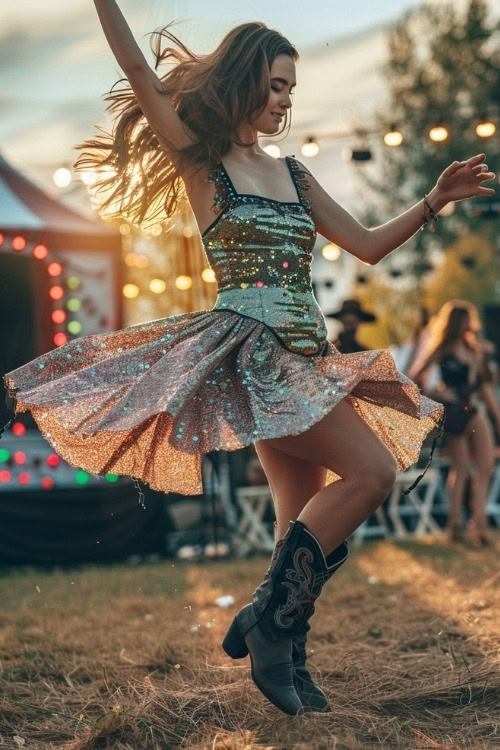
x=147, y=401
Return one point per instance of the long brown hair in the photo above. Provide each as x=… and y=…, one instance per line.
x=445, y=330
x=213, y=95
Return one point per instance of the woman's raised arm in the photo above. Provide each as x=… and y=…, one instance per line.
x=459, y=181
x=146, y=85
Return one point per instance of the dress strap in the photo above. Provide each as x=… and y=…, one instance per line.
x=300, y=178
x=224, y=188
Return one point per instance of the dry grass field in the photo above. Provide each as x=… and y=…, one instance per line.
x=405, y=641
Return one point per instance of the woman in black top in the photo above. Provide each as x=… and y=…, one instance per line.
x=465, y=387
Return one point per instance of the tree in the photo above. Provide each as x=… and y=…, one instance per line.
x=444, y=66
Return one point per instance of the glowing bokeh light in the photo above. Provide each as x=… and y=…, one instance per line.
x=183, y=282
x=88, y=177
x=81, y=477
x=54, y=269
x=310, y=148
x=18, y=429
x=73, y=304
x=130, y=291
x=74, y=327
x=331, y=251
x=157, y=286
x=18, y=243
x=40, y=252
x=485, y=129
x=438, y=134
x=208, y=275
x=60, y=339
x=73, y=282
x=393, y=138
x=58, y=316
x=56, y=292
x=62, y=177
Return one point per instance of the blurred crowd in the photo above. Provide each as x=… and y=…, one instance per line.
x=452, y=363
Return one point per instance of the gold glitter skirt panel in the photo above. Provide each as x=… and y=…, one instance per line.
x=149, y=400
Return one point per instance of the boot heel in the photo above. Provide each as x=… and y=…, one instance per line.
x=234, y=644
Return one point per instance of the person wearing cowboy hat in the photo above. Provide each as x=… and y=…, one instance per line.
x=351, y=314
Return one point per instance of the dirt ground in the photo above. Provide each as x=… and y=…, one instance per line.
x=405, y=641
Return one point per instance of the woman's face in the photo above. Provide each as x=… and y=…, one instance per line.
x=282, y=80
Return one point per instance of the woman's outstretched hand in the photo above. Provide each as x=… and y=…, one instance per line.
x=462, y=179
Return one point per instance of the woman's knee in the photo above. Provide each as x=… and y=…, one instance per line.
x=378, y=477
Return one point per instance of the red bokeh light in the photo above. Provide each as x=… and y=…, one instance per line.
x=1, y=239
x=58, y=316
x=40, y=252
x=18, y=429
x=47, y=483
x=18, y=243
x=56, y=292
x=54, y=269
x=4, y=476
x=60, y=339
x=53, y=460
x=24, y=478
x=19, y=457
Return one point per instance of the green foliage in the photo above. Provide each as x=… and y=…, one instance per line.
x=466, y=273
x=444, y=66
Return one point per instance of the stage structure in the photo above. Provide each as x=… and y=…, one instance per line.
x=60, y=278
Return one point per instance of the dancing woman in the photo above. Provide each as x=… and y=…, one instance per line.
x=465, y=388
x=330, y=429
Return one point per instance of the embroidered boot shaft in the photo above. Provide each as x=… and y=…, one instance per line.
x=280, y=608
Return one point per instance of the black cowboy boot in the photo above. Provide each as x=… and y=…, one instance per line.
x=280, y=608
x=311, y=695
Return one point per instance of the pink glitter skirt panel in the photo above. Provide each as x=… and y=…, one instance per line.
x=149, y=400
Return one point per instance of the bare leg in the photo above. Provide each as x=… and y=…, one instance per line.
x=480, y=437
x=456, y=449
x=344, y=443
x=293, y=481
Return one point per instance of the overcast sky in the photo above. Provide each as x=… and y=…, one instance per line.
x=55, y=67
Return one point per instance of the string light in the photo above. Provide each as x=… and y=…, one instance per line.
x=183, y=282
x=331, y=251
x=62, y=177
x=18, y=243
x=438, y=133
x=73, y=304
x=394, y=137
x=58, y=316
x=130, y=291
x=485, y=128
x=157, y=286
x=208, y=275
x=56, y=292
x=40, y=252
x=54, y=269
x=60, y=339
x=310, y=148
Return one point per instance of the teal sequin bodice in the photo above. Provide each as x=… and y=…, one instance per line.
x=260, y=251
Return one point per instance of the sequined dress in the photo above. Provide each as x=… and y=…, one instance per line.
x=148, y=400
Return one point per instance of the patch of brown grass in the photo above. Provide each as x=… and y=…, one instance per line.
x=405, y=641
